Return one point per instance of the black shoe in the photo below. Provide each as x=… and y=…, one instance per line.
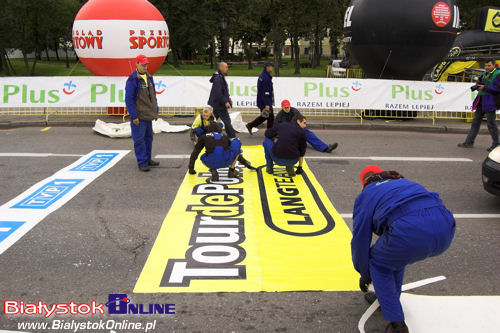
x=245, y=163
x=331, y=147
x=290, y=170
x=269, y=170
x=465, y=145
x=144, y=168
x=370, y=297
x=215, y=175
x=249, y=128
x=232, y=173
x=399, y=327
x=153, y=163
x=492, y=147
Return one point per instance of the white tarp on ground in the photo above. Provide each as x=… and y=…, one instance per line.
x=193, y=91
x=122, y=130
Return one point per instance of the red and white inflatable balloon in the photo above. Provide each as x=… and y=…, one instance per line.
x=109, y=34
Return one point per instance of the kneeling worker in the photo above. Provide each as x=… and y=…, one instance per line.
x=201, y=123
x=221, y=152
x=286, y=115
x=412, y=223
x=290, y=147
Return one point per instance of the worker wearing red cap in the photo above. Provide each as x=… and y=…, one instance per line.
x=140, y=99
x=286, y=115
x=412, y=224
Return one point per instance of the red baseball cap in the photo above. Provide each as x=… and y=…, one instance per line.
x=369, y=168
x=285, y=103
x=142, y=59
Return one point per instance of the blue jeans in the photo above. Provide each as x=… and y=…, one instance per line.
x=199, y=131
x=224, y=116
x=421, y=234
x=476, y=124
x=222, y=158
x=271, y=158
x=142, y=135
x=315, y=141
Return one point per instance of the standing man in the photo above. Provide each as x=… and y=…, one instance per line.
x=265, y=98
x=486, y=103
x=286, y=115
x=140, y=99
x=412, y=224
x=290, y=147
x=220, y=100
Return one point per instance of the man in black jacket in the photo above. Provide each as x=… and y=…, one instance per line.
x=286, y=115
x=220, y=152
x=265, y=98
x=220, y=100
x=290, y=147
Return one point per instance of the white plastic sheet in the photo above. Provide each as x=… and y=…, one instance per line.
x=122, y=130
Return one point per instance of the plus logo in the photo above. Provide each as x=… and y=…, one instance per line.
x=69, y=88
x=356, y=85
x=159, y=85
x=439, y=89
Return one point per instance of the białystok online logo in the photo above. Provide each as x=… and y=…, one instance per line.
x=117, y=304
x=121, y=304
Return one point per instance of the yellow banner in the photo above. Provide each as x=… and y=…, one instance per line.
x=257, y=232
x=493, y=20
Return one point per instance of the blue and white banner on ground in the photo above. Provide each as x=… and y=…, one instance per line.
x=193, y=91
x=23, y=212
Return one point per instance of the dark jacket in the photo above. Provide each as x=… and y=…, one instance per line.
x=375, y=209
x=208, y=141
x=219, y=95
x=265, y=92
x=146, y=111
x=291, y=143
x=490, y=96
x=285, y=117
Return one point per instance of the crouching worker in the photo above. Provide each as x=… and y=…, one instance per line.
x=290, y=147
x=221, y=152
x=412, y=224
x=287, y=113
x=201, y=123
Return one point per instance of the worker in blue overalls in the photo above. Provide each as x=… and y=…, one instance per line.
x=220, y=152
x=201, y=123
x=412, y=224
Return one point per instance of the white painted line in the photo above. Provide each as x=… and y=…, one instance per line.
x=371, y=158
x=457, y=216
x=392, y=158
x=38, y=155
x=172, y=156
x=408, y=286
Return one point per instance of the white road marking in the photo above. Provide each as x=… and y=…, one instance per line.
x=172, y=156
x=392, y=158
x=182, y=156
x=375, y=305
x=457, y=216
x=38, y=155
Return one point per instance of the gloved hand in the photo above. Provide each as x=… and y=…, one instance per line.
x=192, y=171
x=299, y=170
x=363, y=284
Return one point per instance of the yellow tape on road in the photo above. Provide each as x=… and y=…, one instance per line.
x=257, y=232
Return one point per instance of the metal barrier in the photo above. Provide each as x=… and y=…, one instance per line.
x=360, y=114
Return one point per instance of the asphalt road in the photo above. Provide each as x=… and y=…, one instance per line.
x=98, y=242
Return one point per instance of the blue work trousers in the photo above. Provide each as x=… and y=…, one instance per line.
x=421, y=234
x=314, y=141
x=142, y=135
x=220, y=158
x=271, y=158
